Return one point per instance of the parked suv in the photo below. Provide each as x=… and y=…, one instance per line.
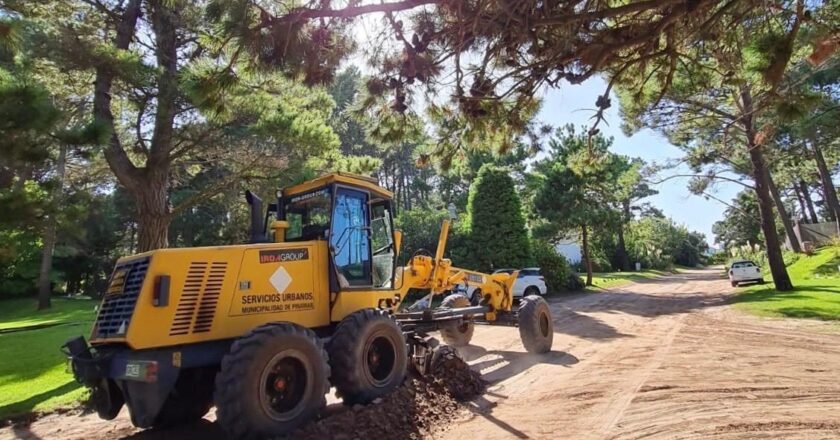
x=529, y=282
x=744, y=271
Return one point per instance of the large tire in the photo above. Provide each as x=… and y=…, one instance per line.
x=190, y=399
x=476, y=297
x=368, y=356
x=453, y=334
x=535, y=325
x=531, y=291
x=272, y=381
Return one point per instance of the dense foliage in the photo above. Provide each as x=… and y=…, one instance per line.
x=497, y=237
x=660, y=244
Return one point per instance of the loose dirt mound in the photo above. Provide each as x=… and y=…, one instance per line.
x=416, y=410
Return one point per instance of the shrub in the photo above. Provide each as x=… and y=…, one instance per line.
x=554, y=267
x=559, y=275
x=574, y=282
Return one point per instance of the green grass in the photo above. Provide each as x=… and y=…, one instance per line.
x=607, y=280
x=816, y=294
x=33, y=372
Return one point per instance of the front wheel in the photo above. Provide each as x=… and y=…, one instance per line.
x=272, y=381
x=368, y=356
x=734, y=283
x=535, y=325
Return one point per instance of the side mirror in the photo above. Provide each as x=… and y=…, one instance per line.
x=397, y=241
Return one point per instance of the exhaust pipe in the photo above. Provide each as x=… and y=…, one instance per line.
x=257, y=222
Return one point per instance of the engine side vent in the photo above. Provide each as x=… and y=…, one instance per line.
x=199, y=297
x=210, y=297
x=118, y=305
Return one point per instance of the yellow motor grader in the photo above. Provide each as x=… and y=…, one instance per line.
x=263, y=330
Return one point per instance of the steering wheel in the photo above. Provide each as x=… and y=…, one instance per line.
x=421, y=251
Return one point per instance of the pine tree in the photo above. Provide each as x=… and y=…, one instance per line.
x=498, y=237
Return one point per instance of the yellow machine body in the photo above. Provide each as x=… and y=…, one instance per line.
x=172, y=297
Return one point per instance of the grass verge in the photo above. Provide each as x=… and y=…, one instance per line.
x=816, y=295
x=606, y=280
x=33, y=372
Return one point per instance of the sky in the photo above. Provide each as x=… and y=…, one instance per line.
x=575, y=104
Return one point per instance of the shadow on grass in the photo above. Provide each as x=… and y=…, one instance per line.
x=803, y=305
x=769, y=294
x=809, y=312
x=33, y=363
x=26, y=406
x=829, y=268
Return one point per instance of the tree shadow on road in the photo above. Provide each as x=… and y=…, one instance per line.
x=509, y=364
x=570, y=322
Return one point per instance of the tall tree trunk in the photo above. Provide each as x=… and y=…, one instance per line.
x=765, y=201
x=804, y=211
x=621, y=249
x=809, y=203
x=153, y=214
x=786, y=221
x=44, y=285
x=828, y=185
x=586, y=260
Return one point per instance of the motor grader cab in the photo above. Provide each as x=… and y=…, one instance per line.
x=263, y=330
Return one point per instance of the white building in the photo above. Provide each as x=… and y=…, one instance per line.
x=570, y=249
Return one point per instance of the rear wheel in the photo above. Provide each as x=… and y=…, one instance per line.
x=476, y=297
x=734, y=283
x=190, y=399
x=457, y=335
x=532, y=290
x=272, y=381
x=535, y=325
x=368, y=356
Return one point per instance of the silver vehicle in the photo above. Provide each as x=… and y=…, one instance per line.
x=743, y=271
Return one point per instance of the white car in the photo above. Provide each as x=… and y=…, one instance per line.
x=529, y=282
x=743, y=271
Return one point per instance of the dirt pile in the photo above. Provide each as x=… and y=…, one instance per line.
x=414, y=411
x=455, y=376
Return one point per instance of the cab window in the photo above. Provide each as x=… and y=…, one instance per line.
x=308, y=216
x=349, y=239
x=382, y=239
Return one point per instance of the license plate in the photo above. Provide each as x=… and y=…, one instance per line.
x=145, y=371
x=135, y=370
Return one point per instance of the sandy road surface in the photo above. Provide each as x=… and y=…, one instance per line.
x=661, y=359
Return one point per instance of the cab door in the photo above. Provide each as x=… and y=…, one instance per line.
x=350, y=238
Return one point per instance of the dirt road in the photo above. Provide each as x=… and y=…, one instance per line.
x=662, y=359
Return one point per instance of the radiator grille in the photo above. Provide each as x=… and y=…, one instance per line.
x=115, y=312
x=199, y=298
